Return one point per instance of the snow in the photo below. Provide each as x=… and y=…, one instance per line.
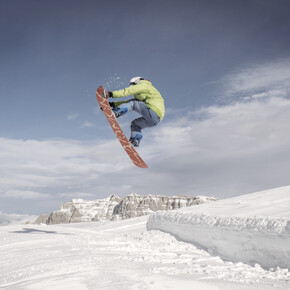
x=254, y=228
x=125, y=255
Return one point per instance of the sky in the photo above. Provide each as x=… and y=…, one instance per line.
x=222, y=66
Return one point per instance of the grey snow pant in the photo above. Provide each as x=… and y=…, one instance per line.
x=149, y=117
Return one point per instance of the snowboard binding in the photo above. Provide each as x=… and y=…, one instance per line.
x=119, y=111
x=135, y=141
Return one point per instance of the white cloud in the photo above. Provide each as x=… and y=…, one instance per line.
x=32, y=169
x=87, y=125
x=269, y=79
x=220, y=150
x=15, y=219
x=75, y=195
x=25, y=194
x=235, y=151
x=230, y=149
x=72, y=116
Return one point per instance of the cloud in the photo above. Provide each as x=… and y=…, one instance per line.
x=72, y=116
x=33, y=169
x=82, y=124
x=221, y=150
x=87, y=125
x=234, y=148
x=269, y=79
x=75, y=195
x=240, y=146
x=25, y=194
x=15, y=219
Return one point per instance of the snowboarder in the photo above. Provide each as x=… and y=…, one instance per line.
x=147, y=101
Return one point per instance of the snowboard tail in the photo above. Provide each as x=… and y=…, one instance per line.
x=132, y=153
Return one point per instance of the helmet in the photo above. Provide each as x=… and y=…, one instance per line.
x=135, y=80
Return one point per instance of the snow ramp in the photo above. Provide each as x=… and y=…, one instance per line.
x=253, y=228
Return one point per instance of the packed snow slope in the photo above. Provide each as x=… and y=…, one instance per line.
x=253, y=228
x=119, y=255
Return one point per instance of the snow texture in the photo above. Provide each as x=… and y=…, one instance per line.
x=124, y=255
x=119, y=255
x=253, y=229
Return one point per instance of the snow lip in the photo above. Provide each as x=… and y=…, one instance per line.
x=230, y=229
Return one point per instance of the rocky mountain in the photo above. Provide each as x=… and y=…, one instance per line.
x=115, y=208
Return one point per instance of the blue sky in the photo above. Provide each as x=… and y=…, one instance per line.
x=222, y=67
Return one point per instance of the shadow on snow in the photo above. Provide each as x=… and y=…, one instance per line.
x=31, y=231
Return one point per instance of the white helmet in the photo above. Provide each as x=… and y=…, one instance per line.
x=135, y=80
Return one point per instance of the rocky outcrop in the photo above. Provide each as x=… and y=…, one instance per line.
x=79, y=210
x=134, y=205
x=42, y=219
x=114, y=208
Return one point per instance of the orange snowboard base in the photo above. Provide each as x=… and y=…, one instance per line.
x=132, y=153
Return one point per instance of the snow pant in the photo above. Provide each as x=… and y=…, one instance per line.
x=149, y=117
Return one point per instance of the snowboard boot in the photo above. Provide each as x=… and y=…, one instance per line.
x=120, y=111
x=135, y=141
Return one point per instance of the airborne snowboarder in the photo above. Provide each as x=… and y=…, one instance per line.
x=147, y=101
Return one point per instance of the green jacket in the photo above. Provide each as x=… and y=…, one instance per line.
x=144, y=91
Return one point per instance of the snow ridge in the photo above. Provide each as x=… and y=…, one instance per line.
x=261, y=224
x=229, y=229
x=248, y=240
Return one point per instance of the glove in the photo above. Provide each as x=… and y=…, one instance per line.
x=107, y=94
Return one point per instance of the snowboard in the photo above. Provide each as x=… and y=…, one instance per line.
x=132, y=153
